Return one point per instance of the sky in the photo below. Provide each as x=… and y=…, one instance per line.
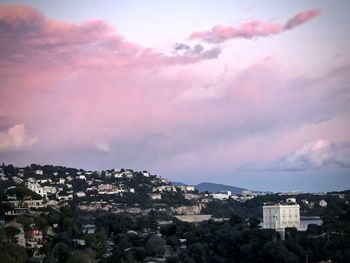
x=248, y=93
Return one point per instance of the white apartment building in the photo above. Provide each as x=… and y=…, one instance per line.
x=280, y=216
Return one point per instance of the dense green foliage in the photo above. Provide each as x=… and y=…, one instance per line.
x=12, y=253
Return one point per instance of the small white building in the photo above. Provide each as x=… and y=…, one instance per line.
x=155, y=196
x=39, y=172
x=61, y=180
x=82, y=177
x=291, y=200
x=221, y=196
x=187, y=188
x=146, y=174
x=190, y=188
x=3, y=177
x=80, y=194
x=323, y=203
x=49, y=190
x=280, y=216
x=128, y=174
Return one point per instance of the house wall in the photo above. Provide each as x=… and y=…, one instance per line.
x=281, y=216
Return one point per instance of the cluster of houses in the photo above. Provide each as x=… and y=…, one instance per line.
x=244, y=196
x=60, y=188
x=57, y=188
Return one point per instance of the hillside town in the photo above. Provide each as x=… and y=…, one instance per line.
x=34, y=199
x=113, y=190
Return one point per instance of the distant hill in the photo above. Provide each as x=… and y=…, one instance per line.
x=212, y=187
x=178, y=184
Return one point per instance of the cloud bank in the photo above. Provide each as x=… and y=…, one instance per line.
x=29, y=38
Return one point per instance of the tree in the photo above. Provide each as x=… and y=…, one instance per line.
x=290, y=232
x=97, y=242
x=60, y=252
x=199, y=252
x=11, y=253
x=168, y=230
x=254, y=222
x=235, y=219
x=41, y=223
x=276, y=252
x=53, y=216
x=11, y=233
x=172, y=260
x=26, y=221
x=154, y=245
x=79, y=256
x=139, y=254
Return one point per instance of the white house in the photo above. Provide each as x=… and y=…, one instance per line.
x=39, y=172
x=82, y=177
x=280, y=216
x=3, y=176
x=323, y=203
x=49, y=190
x=61, y=180
x=221, y=196
x=145, y=174
x=128, y=174
x=190, y=188
x=291, y=200
x=155, y=196
x=187, y=188
x=80, y=194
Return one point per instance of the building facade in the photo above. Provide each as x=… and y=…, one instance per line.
x=280, y=216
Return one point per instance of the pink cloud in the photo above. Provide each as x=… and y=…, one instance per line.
x=16, y=139
x=253, y=29
x=301, y=18
x=30, y=38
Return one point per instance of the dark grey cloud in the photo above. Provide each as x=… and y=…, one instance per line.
x=181, y=46
x=198, y=50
